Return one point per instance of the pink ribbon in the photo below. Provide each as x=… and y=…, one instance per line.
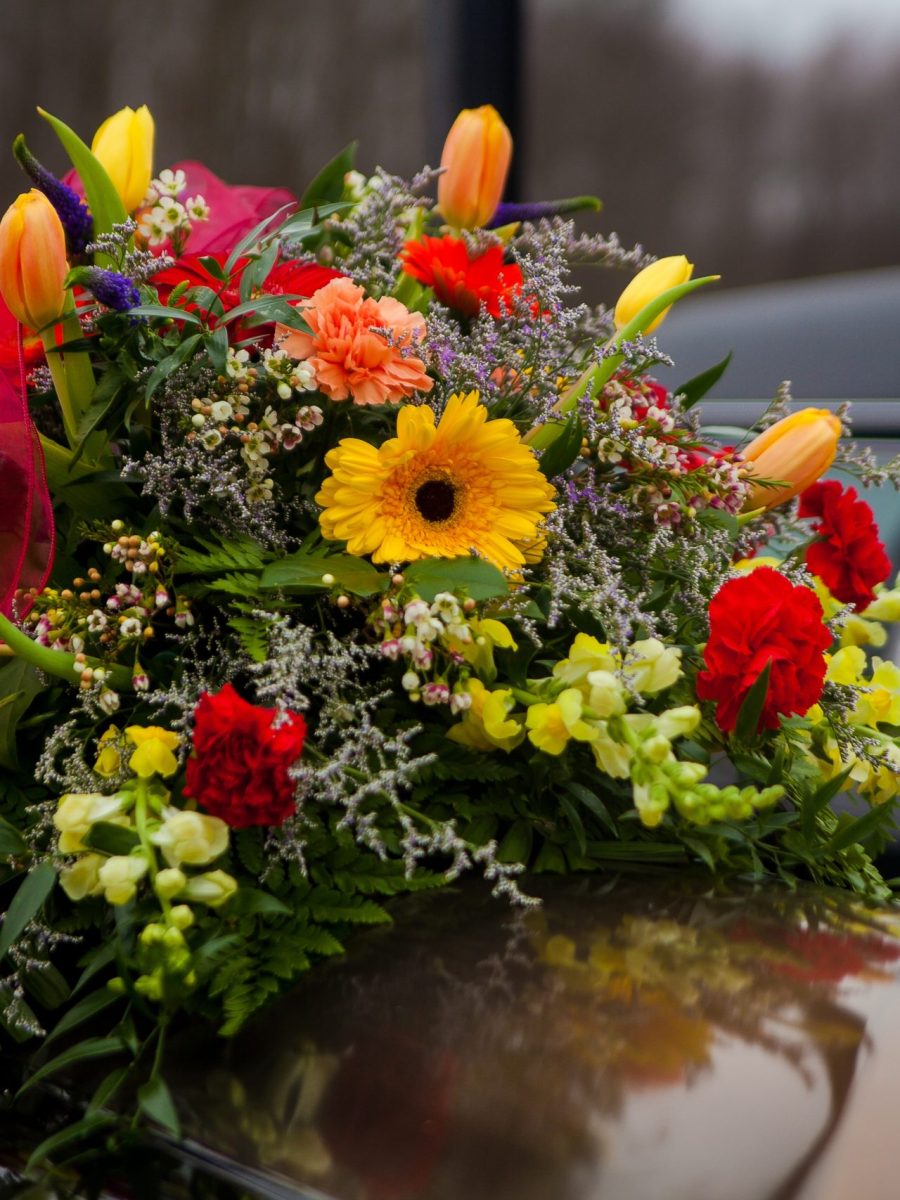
x=27, y=531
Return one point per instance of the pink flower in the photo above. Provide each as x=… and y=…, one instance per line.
x=359, y=347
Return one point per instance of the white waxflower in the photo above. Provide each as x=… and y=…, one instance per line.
x=260, y=491
x=236, y=364
x=221, y=410
x=197, y=208
x=170, y=183
x=211, y=439
x=309, y=416
x=151, y=231
x=169, y=214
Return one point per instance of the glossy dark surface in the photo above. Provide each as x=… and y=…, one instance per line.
x=627, y=1040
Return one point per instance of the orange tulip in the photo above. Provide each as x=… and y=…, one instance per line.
x=33, y=260
x=797, y=451
x=476, y=161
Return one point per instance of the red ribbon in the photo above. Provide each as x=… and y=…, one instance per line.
x=27, y=531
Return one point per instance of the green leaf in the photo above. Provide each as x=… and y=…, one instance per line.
x=695, y=389
x=214, y=267
x=27, y=903
x=103, y=200
x=248, y=900
x=111, y=839
x=575, y=821
x=269, y=308
x=71, y=1135
x=563, y=451
x=858, y=830
x=12, y=844
x=516, y=845
x=106, y=1089
x=105, y=395
x=550, y=859
x=91, y=1048
x=302, y=225
x=591, y=802
x=163, y=310
x=305, y=571
x=821, y=798
x=266, y=227
x=257, y=271
x=182, y=352
x=46, y=985
x=86, y=1008
x=155, y=1100
x=328, y=185
x=217, y=348
x=478, y=578
x=93, y=962
x=747, y=724
x=19, y=685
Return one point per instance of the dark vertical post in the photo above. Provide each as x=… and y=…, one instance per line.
x=474, y=52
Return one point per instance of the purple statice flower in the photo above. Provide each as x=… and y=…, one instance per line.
x=70, y=208
x=110, y=288
x=538, y=210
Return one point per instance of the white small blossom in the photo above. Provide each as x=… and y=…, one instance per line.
x=237, y=364
x=169, y=183
x=309, y=416
x=197, y=208
x=131, y=627
x=260, y=491
x=211, y=439
x=221, y=410
x=97, y=621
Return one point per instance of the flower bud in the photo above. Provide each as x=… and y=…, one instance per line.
x=169, y=882
x=214, y=888
x=124, y=146
x=475, y=160
x=33, y=262
x=661, y=275
x=796, y=450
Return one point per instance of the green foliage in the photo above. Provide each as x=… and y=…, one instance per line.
x=475, y=577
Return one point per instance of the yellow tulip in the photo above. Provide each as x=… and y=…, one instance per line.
x=124, y=146
x=661, y=275
x=797, y=451
x=33, y=260
x=475, y=163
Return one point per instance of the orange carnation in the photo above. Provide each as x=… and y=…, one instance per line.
x=359, y=347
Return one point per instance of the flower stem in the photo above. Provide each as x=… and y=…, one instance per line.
x=58, y=663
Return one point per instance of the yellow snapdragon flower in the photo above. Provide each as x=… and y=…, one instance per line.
x=153, y=755
x=552, y=726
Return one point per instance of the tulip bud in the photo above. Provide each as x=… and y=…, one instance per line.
x=475, y=160
x=33, y=260
x=124, y=146
x=796, y=450
x=661, y=275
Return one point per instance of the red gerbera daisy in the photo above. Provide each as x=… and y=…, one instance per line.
x=289, y=277
x=849, y=558
x=460, y=281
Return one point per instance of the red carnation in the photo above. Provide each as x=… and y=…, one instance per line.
x=849, y=558
x=290, y=277
x=757, y=620
x=461, y=282
x=239, y=768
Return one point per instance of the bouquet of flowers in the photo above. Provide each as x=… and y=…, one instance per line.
x=344, y=551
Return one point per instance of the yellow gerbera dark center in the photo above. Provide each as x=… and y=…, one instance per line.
x=436, y=500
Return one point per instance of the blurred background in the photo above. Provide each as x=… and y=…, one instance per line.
x=760, y=137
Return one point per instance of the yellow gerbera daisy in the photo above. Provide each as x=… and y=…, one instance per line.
x=437, y=491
